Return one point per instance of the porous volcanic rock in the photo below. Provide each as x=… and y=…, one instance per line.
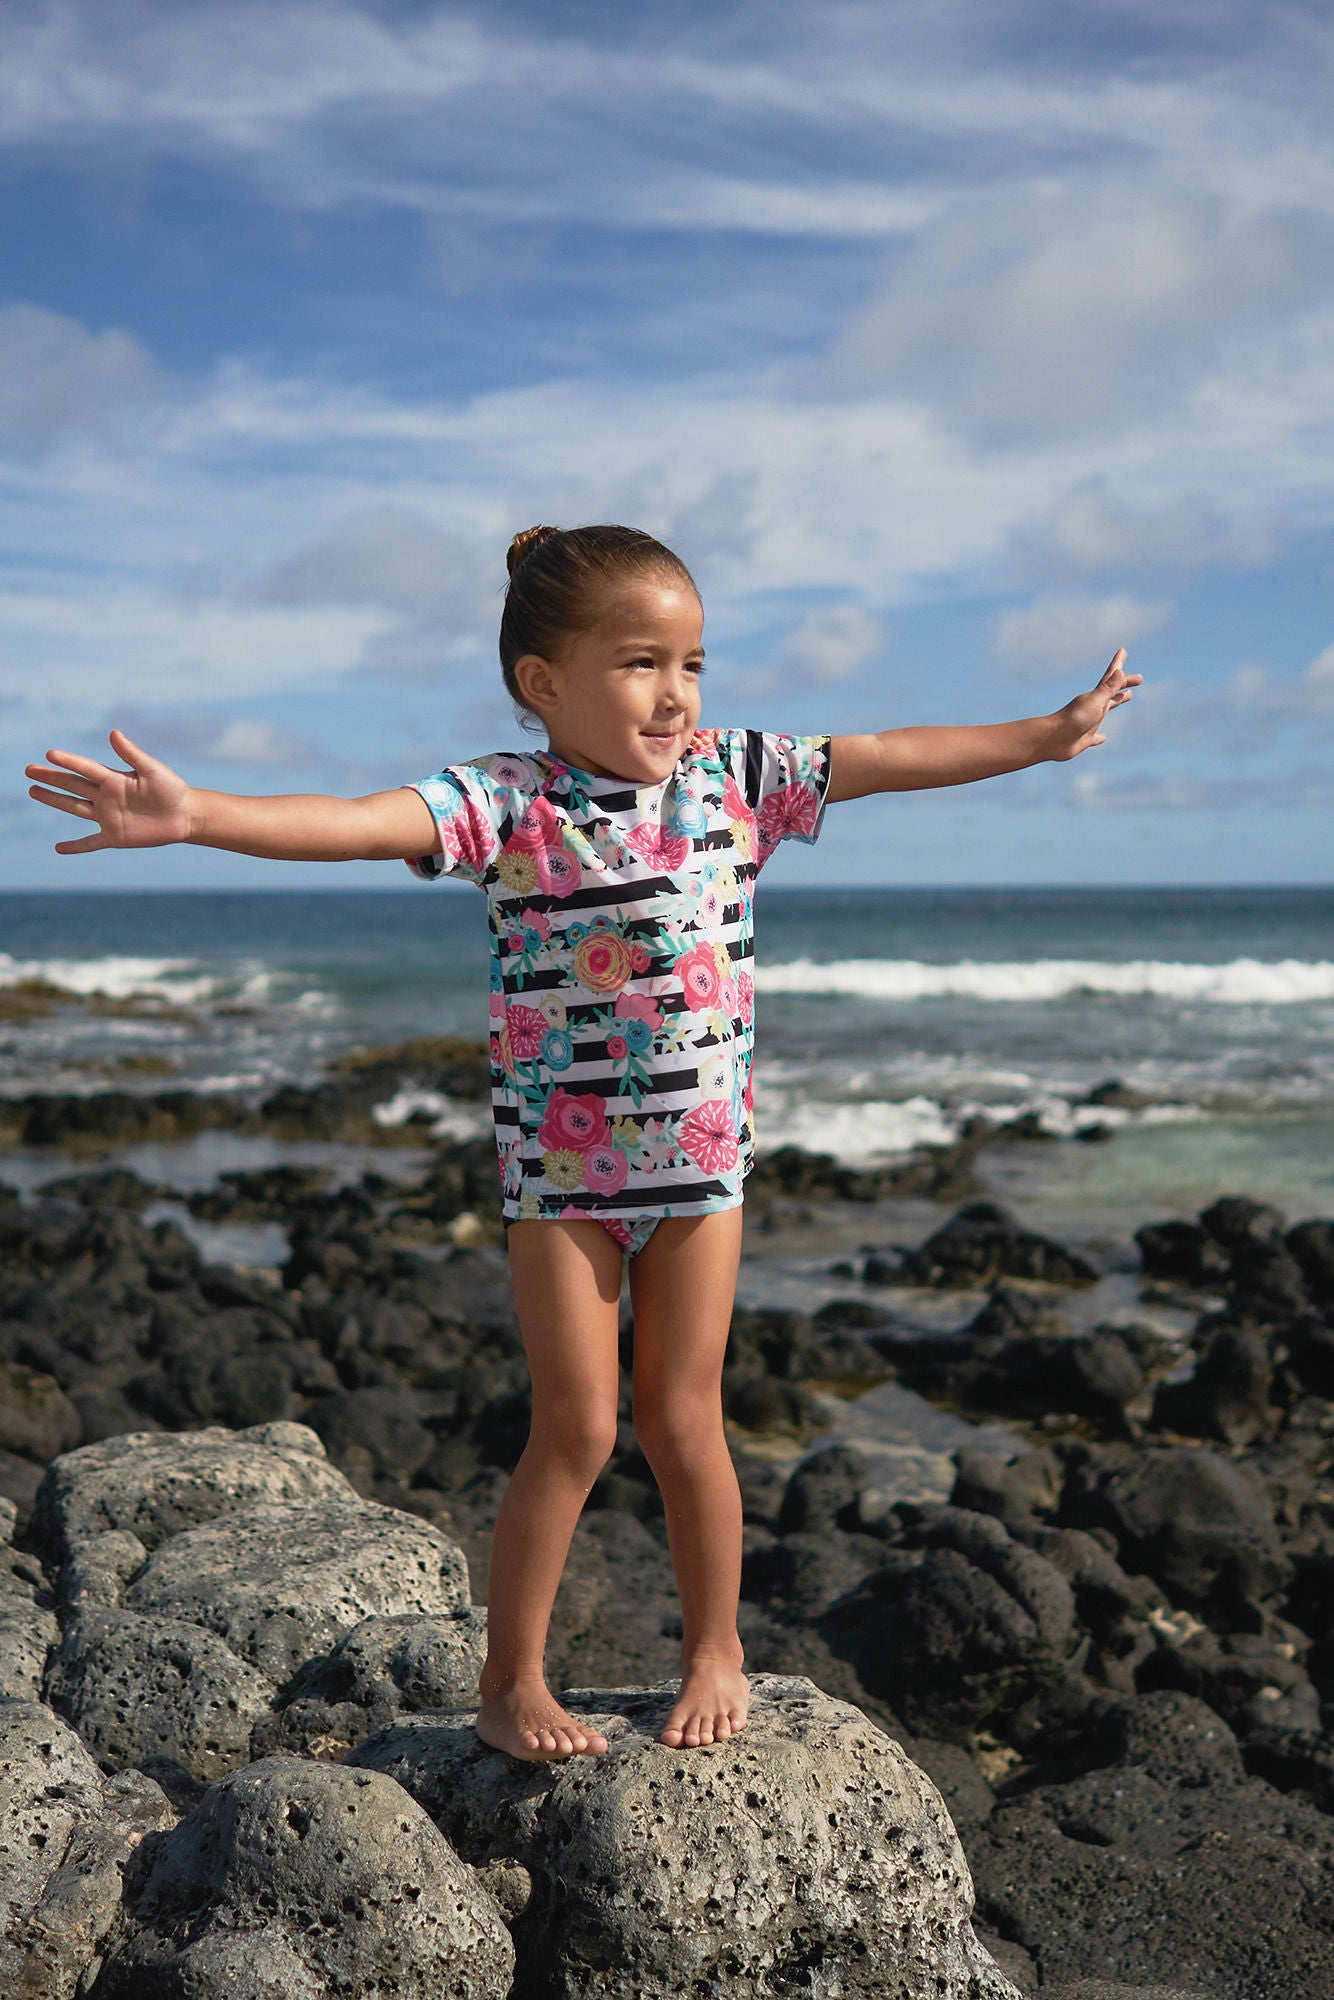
x=808, y=1855
x=154, y=1484
x=285, y=1580
x=66, y=1833
x=295, y=1881
x=1164, y=1864
x=28, y=1627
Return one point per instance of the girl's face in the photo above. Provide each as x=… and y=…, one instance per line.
x=622, y=699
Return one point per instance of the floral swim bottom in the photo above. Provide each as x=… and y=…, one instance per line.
x=631, y=1232
x=632, y=1235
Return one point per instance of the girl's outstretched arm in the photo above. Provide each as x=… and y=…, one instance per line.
x=911, y=760
x=150, y=805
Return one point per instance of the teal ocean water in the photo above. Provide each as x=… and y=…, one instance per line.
x=886, y=1017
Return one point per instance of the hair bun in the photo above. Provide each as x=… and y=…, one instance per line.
x=524, y=543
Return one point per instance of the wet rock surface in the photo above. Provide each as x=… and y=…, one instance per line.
x=1109, y=1646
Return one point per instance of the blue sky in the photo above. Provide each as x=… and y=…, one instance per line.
x=952, y=344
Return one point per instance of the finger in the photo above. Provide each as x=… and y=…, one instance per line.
x=138, y=760
x=66, y=780
x=78, y=807
x=1118, y=660
x=87, y=767
x=85, y=846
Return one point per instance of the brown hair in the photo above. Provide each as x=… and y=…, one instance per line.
x=558, y=576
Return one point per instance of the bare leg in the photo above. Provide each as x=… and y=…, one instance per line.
x=567, y=1282
x=683, y=1284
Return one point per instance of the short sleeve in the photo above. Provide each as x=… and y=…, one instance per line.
x=463, y=805
x=783, y=780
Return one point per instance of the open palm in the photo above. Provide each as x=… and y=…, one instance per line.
x=146, y=806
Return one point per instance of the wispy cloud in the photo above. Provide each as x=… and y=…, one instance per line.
x=60, y=382
x=1068, y=634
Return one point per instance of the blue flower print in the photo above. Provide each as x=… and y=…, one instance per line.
x=557, y=1049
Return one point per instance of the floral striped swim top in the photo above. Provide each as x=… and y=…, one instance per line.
x=622, y=987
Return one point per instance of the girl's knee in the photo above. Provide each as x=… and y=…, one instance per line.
x=584, y=1439
x=678, y=1427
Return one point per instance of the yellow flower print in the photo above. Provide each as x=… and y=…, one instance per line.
x=564, y=1169
x=624, y=1134
x=530, y=1208
x=518, y=872
x=722, y=958
x=740, y=831
x=552, y=1009
x=728, y=886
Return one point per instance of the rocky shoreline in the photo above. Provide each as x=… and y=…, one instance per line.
x=251, y=1512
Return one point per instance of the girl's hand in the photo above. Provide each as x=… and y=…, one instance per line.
x=1078, y=724
x=146, y=806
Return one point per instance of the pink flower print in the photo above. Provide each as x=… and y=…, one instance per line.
x=469, y=837
x=506, y=1050
x=536, y=920
x=658, y=846
x=708, y=1135
x=602, y=961
x=617, y=1047
x=527, y=1028
x=745, y=994
x=734, y=804
x=573, y=1124
x=710, y=905
x=558, y=873
x=641, y=958
x=727, y=998
x=606, y=1169
x=698, y=972
x=539, y=826
x=793, y=810
x=611, y=1223
x=639, y=1007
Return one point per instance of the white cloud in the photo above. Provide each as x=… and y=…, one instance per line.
x=1068, y=634
x=1315, y=690
x=209, y=737
x=1093, y=527
x=101, y=645
x=61, y=383
x=1267, y=697
x=833, y=643
x=388, y=555
x=1049, y=312
x=1289, y=790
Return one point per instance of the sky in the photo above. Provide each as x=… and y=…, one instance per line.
x=952, y=344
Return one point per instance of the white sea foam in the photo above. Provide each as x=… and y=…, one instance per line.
x=452, y=1121
x=1241, y=982
x=861, y=1131
x=173, y=979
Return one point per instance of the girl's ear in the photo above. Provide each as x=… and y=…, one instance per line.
x=538, y=682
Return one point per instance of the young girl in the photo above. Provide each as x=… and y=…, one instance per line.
x=618, y=866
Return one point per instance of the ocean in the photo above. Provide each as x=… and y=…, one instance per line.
x=886, y=1018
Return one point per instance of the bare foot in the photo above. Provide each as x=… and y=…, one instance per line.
x=527, y=1721
x=713, y=1704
